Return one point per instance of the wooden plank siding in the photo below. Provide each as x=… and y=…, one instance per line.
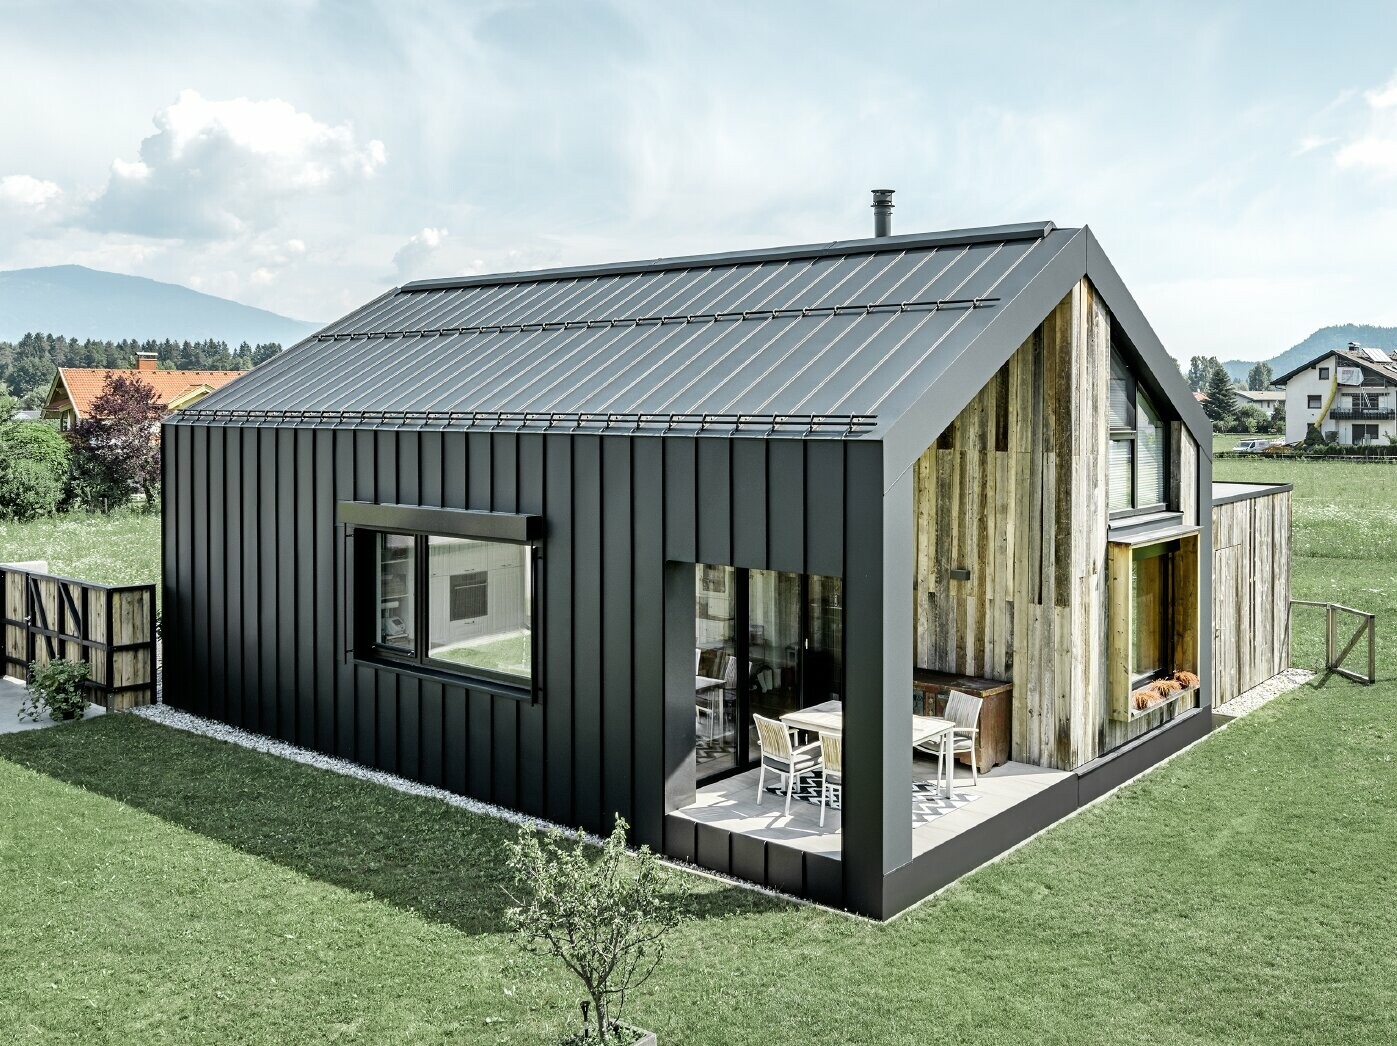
x=1251, y=592
x=1014, y=491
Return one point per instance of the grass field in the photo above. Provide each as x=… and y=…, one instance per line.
x=160, y=887
x=122, y=548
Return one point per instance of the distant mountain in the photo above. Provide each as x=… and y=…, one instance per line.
x=88, y=303
x=1326, y=339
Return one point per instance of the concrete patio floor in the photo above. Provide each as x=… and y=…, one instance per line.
x=12, y=695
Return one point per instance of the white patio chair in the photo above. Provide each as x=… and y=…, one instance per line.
x=831, y=769
x=964, y=711
x=780, y=754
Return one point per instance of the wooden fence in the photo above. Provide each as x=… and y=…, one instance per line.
x=1251, y=592
x=111, y=627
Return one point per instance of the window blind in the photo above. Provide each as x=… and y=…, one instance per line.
x=1120, y=474
x=1150, y=448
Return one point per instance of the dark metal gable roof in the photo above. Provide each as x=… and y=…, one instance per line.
x=819, y=338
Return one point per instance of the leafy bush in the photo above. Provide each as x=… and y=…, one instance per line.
x=606, y=923
x=34, y=460
x=56, y=688
x=117, y=448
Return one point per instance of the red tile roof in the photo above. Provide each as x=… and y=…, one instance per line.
x=84, y=384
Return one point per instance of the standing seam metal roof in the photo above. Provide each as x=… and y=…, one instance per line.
x=833, y=334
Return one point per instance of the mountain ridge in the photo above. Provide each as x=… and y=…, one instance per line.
x=81, y=302
x=1326, y=339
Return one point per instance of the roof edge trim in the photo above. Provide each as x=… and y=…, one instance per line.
x=870, y=245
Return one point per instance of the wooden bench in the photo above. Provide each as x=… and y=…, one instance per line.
x=929, y=698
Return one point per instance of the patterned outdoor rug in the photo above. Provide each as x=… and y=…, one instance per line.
x=706, y=750
x=927, y=801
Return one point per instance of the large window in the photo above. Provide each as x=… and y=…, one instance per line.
x=1149, y=583
x=1137, y=459
x=454, y=604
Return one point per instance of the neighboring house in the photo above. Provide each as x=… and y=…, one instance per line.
x=1349, y=394
x=74, y=388
x=555, y=539
x=26, y=415
x=1268, y=400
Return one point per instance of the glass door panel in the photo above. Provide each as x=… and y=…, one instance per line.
x=774, y=643
x=716, y=712
x=824, y=652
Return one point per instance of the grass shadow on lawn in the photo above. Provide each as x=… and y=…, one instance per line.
x=437, y=861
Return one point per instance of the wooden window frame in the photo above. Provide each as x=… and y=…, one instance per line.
x=1184, y=587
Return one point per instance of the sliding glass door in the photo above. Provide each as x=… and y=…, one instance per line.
x=768, y=642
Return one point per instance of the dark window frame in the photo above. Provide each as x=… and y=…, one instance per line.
x=1314, y=402
x=364, y=622
x=1323, y=373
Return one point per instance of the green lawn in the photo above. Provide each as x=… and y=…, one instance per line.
x=508, y=654
x=160, y=887
x=122, y=548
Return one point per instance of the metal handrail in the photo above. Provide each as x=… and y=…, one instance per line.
x=1333, y=657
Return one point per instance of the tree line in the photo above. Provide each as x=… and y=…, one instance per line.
x=1207, y=375
x=27, y=366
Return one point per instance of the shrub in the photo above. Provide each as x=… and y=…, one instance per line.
x=34, y=460
x=56, y=688
x=117, y=448
x=606, y=923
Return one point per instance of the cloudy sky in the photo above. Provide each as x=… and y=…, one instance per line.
x=1238, y=161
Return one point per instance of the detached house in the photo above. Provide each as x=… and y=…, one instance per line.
x=1349, y=394
x=74, y=388
x=708, y=541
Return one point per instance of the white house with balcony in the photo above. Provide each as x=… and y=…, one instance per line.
x=1349, y=394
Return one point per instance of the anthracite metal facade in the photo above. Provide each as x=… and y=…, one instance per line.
x=757, y=410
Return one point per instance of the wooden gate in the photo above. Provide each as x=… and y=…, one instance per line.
x=111, y=627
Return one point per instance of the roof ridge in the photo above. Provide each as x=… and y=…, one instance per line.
x=870, y=245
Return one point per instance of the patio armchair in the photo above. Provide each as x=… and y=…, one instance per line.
x=780, y=754
x=964, y=711
x=831, y=769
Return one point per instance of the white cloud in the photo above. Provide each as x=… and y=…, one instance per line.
x=412, y=258
x=219, y=169
x=27, y=192
x=1376, y=150
x=1311, y=142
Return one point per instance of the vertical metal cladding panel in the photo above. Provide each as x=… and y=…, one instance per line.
x=177, y=638
x=648, y=634
x=429, y=468
x=557, y=619
x=231, y=479
x=386, y=721
x=251, y=582
x=169, y=489
x=386, y=466
x=408, y=470
x=455, y=739
x=323, y=637
x=288, y=548
x=303, y=649
x=432, y=731
x=824, y=508
x=785, y=505
x=617, y=601
x=215, y=573
x=749, y=517
x=589, y=752
x=680, y=492
x=200, y=679
x=268, y=617
x=864, y=845
x=409, y=728
x=345, y=488
x=531, y=715
x=478, y=478
x=714, y=473
x=504, y=711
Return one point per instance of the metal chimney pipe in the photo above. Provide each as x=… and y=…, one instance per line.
x=883, y=212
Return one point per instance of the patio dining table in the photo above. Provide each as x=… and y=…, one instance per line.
x=828, y=718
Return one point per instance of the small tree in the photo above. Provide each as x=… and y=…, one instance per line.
x=604, y=921
x=1259, y=377
x=1200, y=369
x=1221, y=404
x=118, y=445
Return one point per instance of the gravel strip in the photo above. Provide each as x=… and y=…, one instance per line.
x=1251, y=700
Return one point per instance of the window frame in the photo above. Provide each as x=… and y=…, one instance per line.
x=367, y=522
x=1131, y=436
x=1165, y=551
x=1323, y=373
x=1314, y=402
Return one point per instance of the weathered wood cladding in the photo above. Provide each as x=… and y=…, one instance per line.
x=257, y=582
x=1251, y=592
x=1014, y=491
